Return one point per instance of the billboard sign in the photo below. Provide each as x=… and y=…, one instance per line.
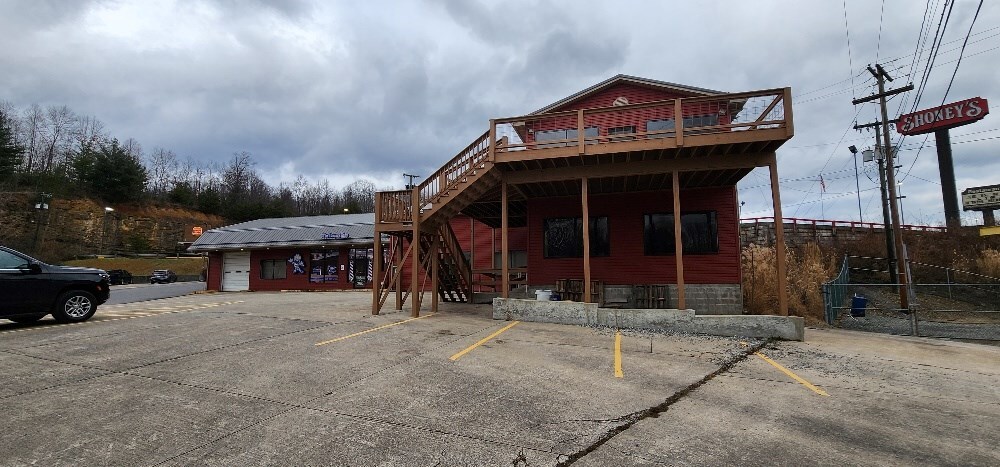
x=981, y=197
x=946, y=116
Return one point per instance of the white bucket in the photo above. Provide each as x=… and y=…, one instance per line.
x=543, y=295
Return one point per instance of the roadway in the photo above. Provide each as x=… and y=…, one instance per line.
x=144, y=292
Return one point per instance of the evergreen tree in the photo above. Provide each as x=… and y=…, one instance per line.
x=11, y=153
x=112, y=173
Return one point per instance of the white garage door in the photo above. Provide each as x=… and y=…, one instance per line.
x=235, y=272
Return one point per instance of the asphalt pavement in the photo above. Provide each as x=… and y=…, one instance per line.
x=144, y=292
x=297, y=378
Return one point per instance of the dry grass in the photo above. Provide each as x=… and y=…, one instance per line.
x=808, y=267
x=988, y=262
x=143, y=266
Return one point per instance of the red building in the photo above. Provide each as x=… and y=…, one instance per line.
x=627, y=154
x=292, y=253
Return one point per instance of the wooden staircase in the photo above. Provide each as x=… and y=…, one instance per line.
x=454, y=270
x=431, y=205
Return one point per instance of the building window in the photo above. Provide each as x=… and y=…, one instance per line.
x=272, y=269
x=621, y=133
x=590, y=132
x=699, y=233
x=563, y=237
x=324, y=266
x=665, y=128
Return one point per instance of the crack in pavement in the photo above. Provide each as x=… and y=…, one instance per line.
x=652, y=412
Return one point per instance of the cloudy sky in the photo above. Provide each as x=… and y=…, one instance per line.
x=343, y=90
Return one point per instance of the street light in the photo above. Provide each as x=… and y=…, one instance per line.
x=854, y=150
x=41, y=208
x=104, y=227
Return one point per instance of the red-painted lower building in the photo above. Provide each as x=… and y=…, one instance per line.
x=622, y=194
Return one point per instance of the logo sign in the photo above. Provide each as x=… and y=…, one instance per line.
x=946, y=116
x=335, y=236
x=981, y=197
x=196, y=231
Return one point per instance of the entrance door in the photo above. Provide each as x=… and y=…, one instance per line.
x=360, y=271
x=236, y=272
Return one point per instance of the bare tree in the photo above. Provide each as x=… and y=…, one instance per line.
x=33, y=130
x=60, y=123
x=163, y=170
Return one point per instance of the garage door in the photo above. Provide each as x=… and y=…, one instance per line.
x=236, y=272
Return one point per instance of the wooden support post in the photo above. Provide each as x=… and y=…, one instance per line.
x=377, y=265
x=779, y=239
x=415, y=273
x=435, y=265
x=472, y=256
x=586, y=239
x=678, y=242
x=580, y=130
x=399, y=272
x=678, y=122
x=787, y=101
x=493, y=140
x=504, y=227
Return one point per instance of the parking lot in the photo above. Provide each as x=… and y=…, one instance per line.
x=314, y=379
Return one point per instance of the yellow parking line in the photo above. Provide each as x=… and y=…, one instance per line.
x=618, y=355
x=372, y=330
x=485, y=340
x=792, y=375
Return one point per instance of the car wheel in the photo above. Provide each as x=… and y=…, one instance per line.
x=26, y=318
x=74, y=306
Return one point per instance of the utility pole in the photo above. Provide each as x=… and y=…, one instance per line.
x=879, y=156
x=879, y=73
x=409, y=181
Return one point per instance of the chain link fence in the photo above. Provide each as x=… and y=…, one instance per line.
x=963, y=305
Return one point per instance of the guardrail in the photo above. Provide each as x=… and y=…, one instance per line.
x=836, y=223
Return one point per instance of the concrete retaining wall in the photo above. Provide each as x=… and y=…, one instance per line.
x=704, y=299
x=588, y=314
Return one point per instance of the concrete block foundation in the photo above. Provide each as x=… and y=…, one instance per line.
x=673, y=320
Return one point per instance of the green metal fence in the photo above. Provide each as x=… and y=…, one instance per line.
x=835, y=292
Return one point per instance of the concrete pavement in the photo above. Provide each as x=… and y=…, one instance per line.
x=314, y=379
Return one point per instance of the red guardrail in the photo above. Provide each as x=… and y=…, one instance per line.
x=836, y=223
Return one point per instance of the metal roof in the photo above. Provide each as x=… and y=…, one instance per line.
x=336, y=230
x=627, y=79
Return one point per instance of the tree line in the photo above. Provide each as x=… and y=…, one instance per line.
x=55, y=150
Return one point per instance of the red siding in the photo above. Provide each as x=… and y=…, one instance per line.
x=634, y=93
x=214, y=279
x=620, y=118
x=628, y=263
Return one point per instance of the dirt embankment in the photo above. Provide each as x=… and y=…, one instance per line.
x=83, y=226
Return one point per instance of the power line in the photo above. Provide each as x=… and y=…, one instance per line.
x=973, y=23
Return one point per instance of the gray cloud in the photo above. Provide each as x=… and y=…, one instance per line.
x=354, y=89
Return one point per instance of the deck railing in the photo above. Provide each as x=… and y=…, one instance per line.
x=849, y=224
x=675, y=118
x=395, y=206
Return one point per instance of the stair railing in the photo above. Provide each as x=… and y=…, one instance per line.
x=455, y=170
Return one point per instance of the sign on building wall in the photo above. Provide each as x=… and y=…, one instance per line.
x=981, y=197
x=946, y=116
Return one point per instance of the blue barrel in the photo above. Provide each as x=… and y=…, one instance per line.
x=858, y=305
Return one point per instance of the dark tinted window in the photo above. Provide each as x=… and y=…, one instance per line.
x=551, y=135
x=563, y=237
x=699, y=233
x=11, y=261
x=272, y=269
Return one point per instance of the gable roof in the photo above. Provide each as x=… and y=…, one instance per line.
x=334, y=230
x=631, y=80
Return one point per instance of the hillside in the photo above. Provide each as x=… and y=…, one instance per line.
x=82, y=226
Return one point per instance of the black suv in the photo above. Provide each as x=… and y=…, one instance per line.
x=162, y=276
x=31, y=289
x=119, y=277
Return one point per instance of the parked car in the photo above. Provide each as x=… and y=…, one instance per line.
x=31, y=289
x=120, y=277
x=162, y=276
